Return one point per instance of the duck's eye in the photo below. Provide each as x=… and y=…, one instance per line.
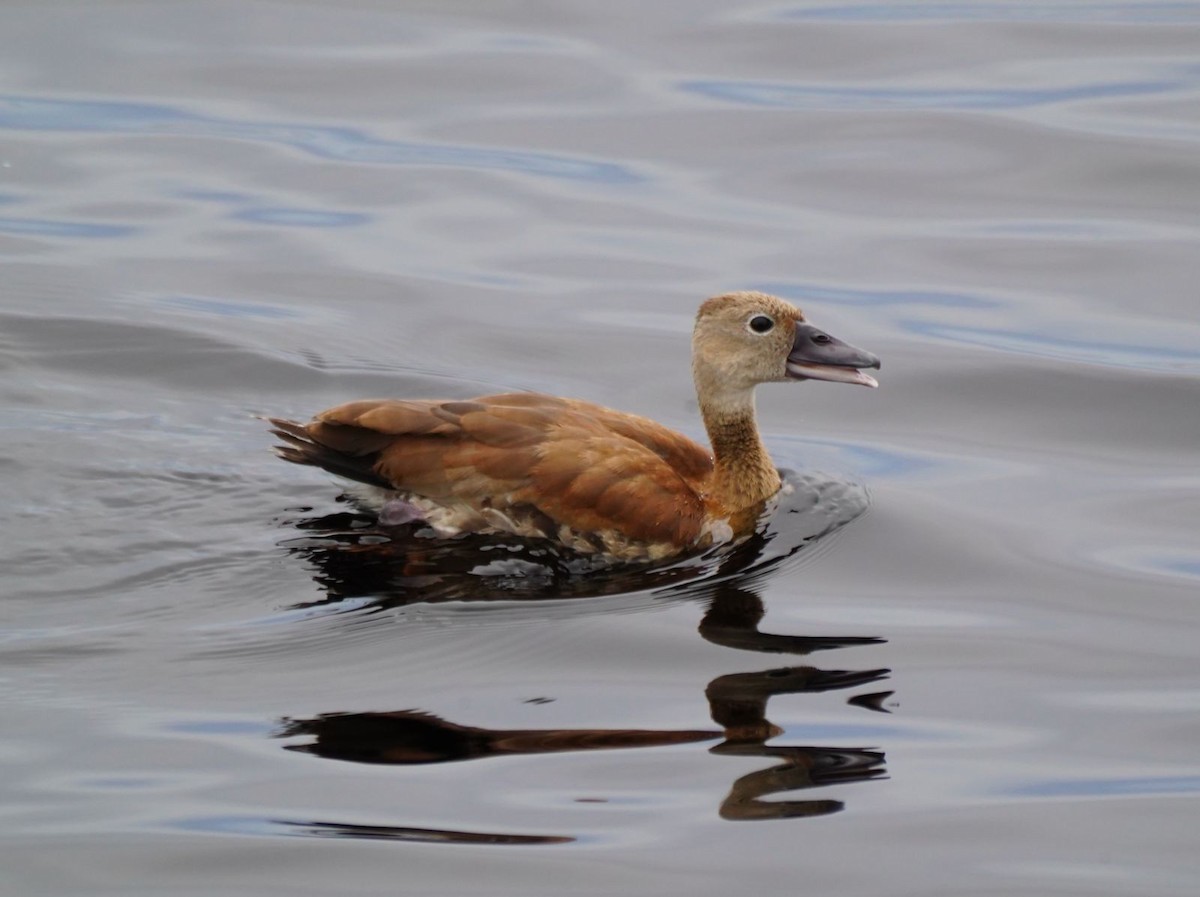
x=761, y=323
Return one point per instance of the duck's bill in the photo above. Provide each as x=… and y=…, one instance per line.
x=832, y=373
x=816, y=355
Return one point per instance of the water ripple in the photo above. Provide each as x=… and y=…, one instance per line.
x=228, y=308
x=801, y=292
x=341, y=144
x=1110, y=353
x=783, y=95
x=1140, y=786
x=1091, y=13
x=1156, y=561
x=283, y=217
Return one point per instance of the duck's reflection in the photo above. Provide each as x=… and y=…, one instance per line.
x=732, y=620
x=352, y=830
x=405, y=737
x=354, y=559
x=737, y=703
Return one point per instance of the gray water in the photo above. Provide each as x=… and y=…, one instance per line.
x=976, y=667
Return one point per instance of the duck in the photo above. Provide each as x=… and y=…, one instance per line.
x=588, y=478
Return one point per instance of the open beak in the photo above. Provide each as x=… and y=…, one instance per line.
x=816, y=355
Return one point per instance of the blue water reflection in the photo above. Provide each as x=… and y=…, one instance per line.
x=1155, y=561
x=1183, y=566
x=45, y=227
x=780, y=95
x=340, y=144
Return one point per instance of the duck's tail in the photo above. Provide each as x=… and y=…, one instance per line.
x=302, y=448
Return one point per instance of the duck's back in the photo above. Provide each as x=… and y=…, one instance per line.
x=591, y=477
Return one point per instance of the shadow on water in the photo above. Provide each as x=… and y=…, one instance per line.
x=356, y=561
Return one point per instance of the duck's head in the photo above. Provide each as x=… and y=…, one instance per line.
x=746, y=338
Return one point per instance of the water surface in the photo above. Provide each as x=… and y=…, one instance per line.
x=959, y=660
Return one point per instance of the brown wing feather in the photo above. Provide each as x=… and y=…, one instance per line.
x=597, y=484
x=585, y=467
x=683, y=455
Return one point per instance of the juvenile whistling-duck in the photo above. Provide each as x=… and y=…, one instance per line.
x=587, y=477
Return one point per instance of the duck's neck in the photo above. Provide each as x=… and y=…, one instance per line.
x=743, y=475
